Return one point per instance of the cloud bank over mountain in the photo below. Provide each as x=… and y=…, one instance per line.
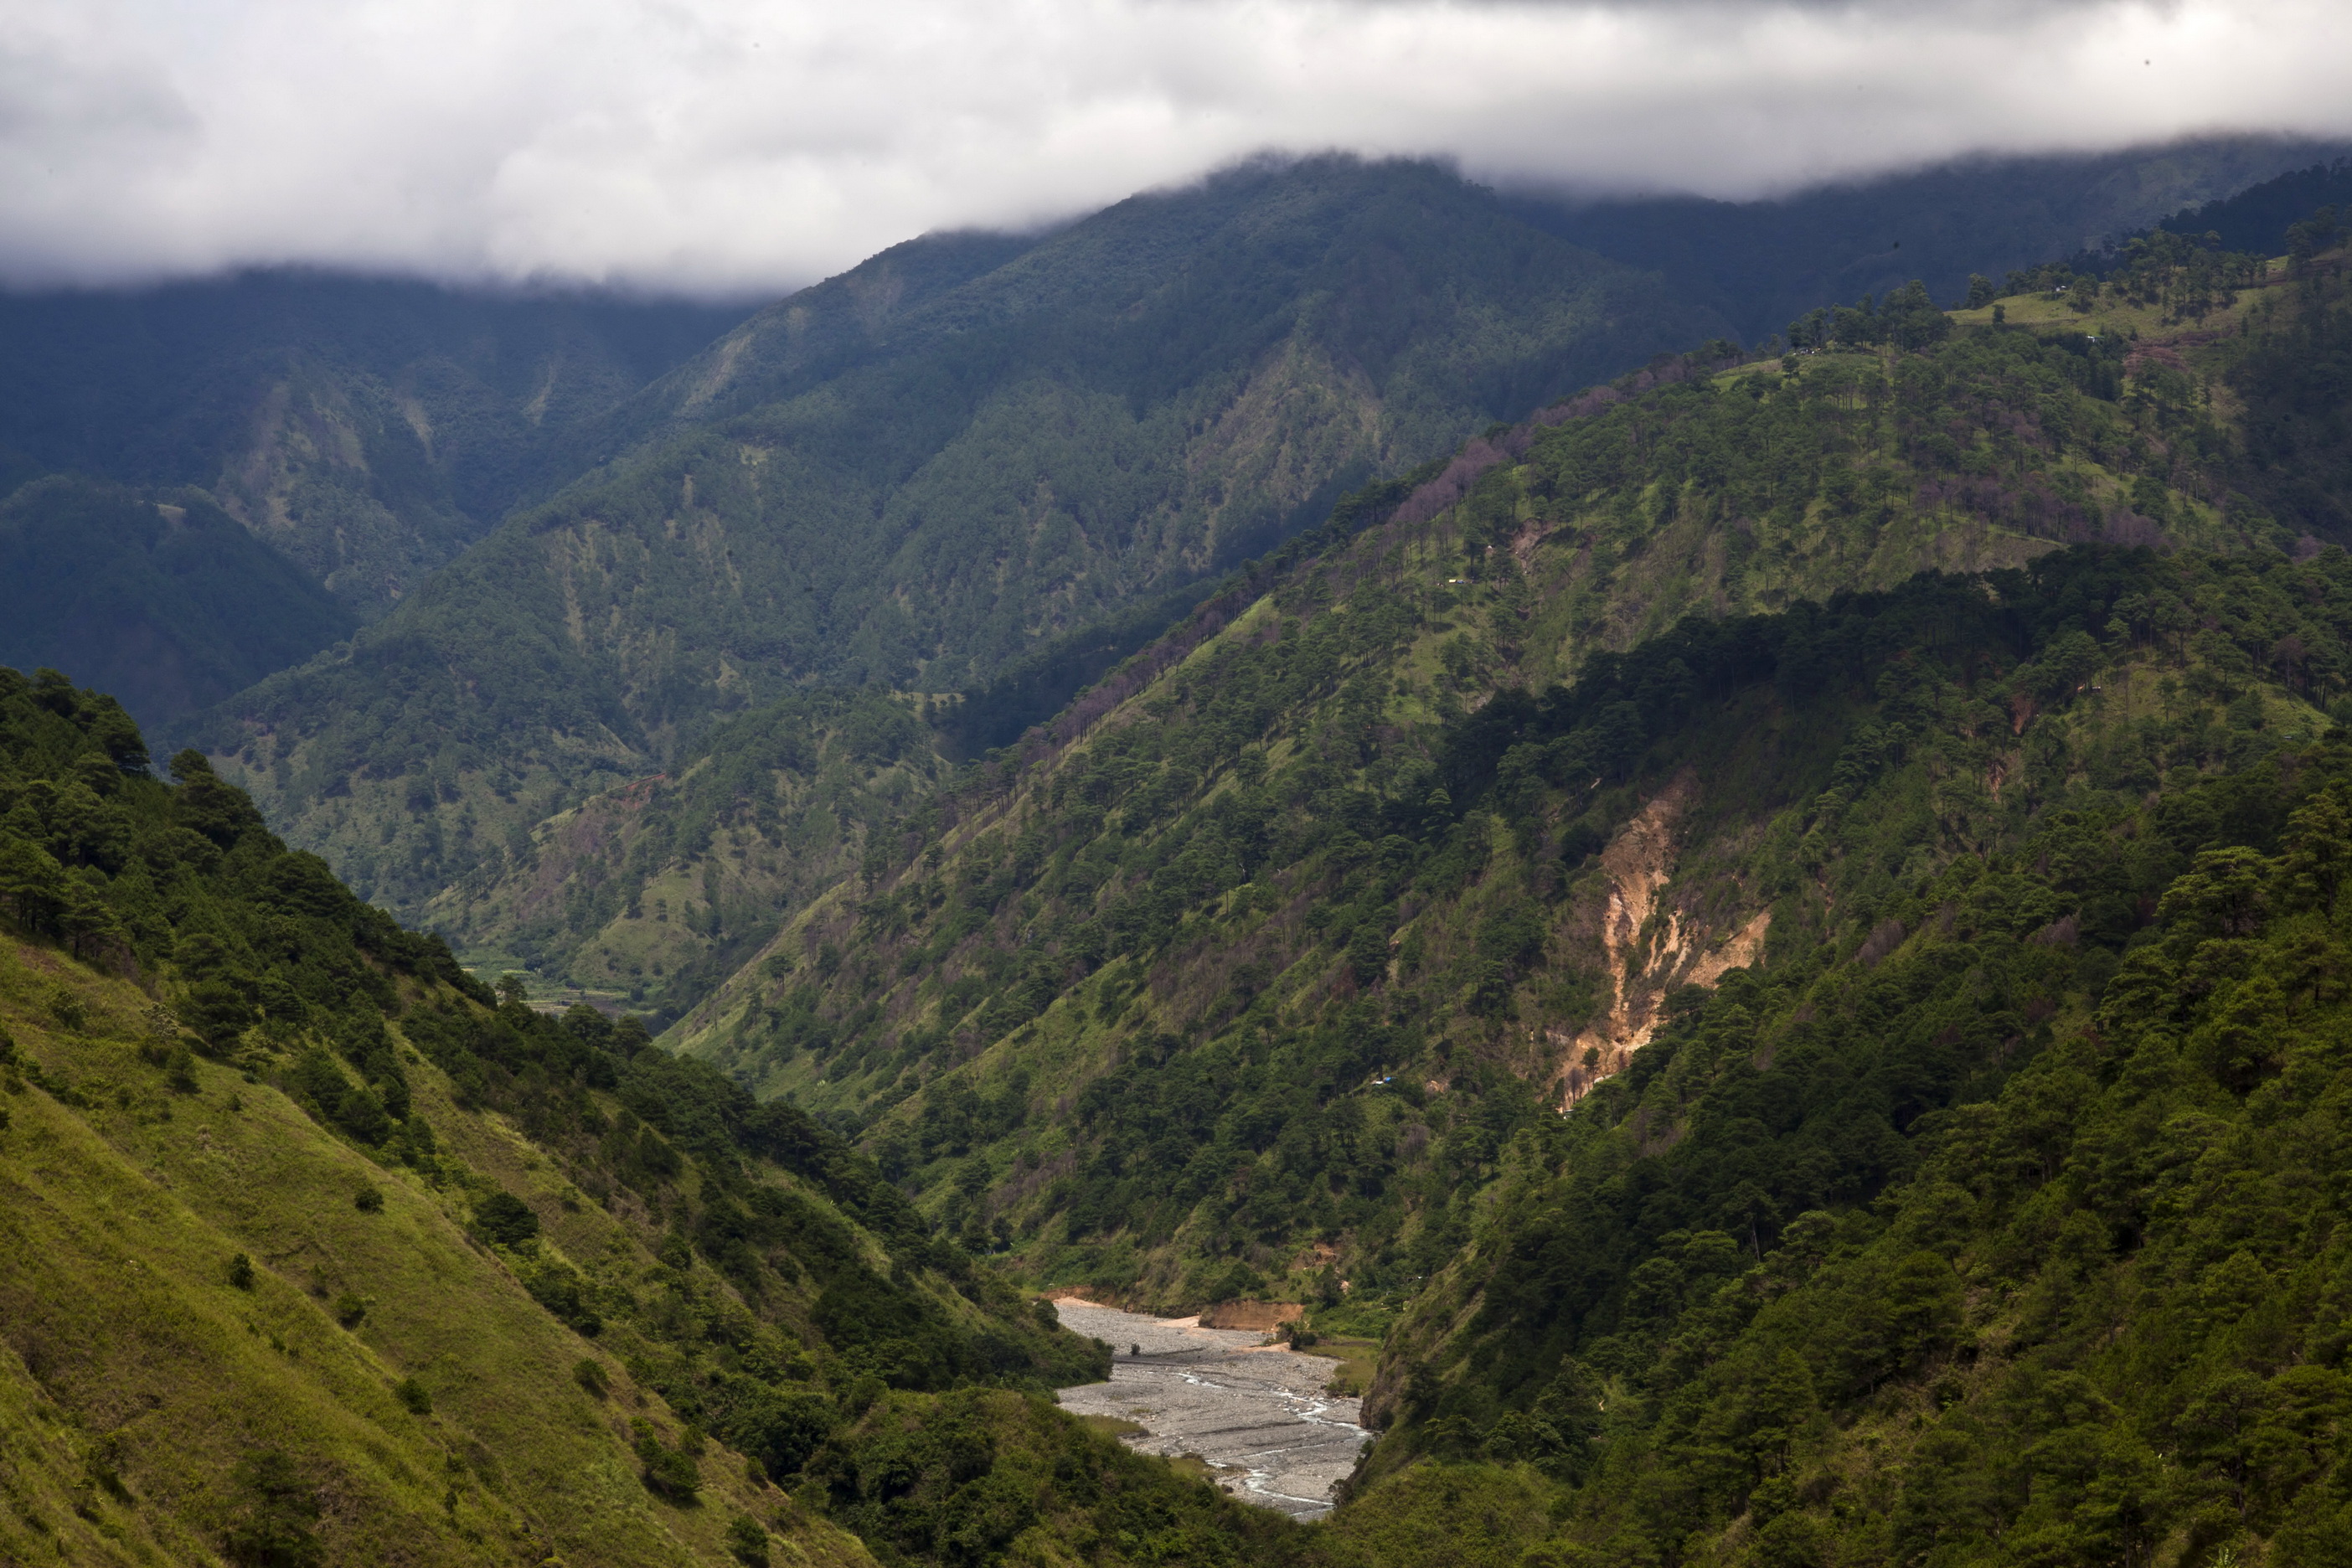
x=727, y=147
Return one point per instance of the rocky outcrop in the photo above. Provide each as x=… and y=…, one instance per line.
x=1647, y=947
x=1261, y=1317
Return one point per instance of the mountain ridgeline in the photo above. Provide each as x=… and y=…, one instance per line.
x=909, y=476
x=1759, y=263
x=924, y=472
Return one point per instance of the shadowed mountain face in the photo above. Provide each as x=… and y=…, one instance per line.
x=369, y=429
x=165, y=601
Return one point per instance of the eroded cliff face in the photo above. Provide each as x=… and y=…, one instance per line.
x=1647, y=945
x=1651, y=941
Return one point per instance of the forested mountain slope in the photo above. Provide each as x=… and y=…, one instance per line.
x=2004, y=1226
x=919, y=472
x=1937, y=983
x=1134, y=402
x=313, y=1250
x=1334, y=828
x=1772, y=930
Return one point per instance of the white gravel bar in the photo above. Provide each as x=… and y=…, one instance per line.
x=1257, y=1415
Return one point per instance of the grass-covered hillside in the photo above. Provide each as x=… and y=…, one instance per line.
x=911, y=474
x=1406, y=811
x=314, y=1250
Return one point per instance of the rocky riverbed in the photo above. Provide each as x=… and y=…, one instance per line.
x=1257, y=1415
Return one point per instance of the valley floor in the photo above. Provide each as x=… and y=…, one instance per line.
x=1255, y=1415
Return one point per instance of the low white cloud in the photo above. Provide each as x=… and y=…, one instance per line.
x=733, y=146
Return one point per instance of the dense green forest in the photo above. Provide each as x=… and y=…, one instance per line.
x=2006, y=1225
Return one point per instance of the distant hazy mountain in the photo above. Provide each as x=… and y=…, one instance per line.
x=370, y=429
x=2257, y=219
x=164, y=600
x=1760, y=264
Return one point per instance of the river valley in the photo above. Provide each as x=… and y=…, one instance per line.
x=1257, y=1415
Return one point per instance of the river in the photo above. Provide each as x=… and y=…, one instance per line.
x=1257, y=1415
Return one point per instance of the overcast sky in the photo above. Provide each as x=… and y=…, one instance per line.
x=749, y=145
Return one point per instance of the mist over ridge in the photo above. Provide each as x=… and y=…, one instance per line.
x=724, y=148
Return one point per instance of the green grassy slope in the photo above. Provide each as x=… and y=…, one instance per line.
x=1135, y=401
x=389, y=1384
x=377, y=1375
x=141, y=1384
x=314, y=1250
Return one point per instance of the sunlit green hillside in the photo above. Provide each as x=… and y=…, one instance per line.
x=313, y=1250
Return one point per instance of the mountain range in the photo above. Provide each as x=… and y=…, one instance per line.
x=923, y=472
x=1751, y=933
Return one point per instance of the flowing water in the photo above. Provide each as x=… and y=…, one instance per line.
x=1257, y=1415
